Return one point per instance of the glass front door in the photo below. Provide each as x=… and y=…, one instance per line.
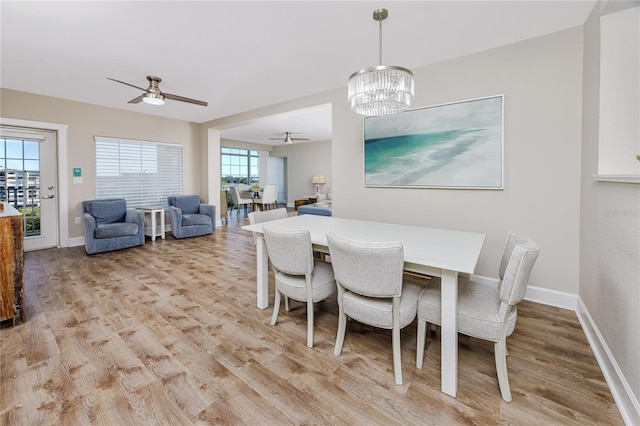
x=27, y=182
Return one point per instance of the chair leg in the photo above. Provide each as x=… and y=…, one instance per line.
x=397, y=362
x=287, y=307
x=309, y=320
x=422, y=331
x=276, y=307
x=342, y=324
x=500, y=349
x=342, y=327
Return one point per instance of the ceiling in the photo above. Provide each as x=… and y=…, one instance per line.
x=239, y=55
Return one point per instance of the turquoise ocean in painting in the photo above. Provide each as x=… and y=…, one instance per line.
x=452, y=158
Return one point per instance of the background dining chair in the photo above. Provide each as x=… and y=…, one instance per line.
x=238, y=199
x=371, y=289
x=485, y=312
x=269, y=197
x=266, y=216
x=298, y=275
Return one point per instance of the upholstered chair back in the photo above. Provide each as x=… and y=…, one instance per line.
x=266, y=216
x=372, y=269
x=111, y=210
x=290, y=251
x=521, y=254
x=269, y=194
x=189, y=204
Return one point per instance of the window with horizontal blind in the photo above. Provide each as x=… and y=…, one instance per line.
x=143, y=173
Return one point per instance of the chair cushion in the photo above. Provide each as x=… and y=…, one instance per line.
x=377, y=312
x=119, y=229
x=295, y=287
x=478, y=306
x=189, y=204
x=107, y=211
x=195, y=219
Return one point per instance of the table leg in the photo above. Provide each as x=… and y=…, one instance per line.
x=262, y=273
x=162, y=224
x=449, y=332
x=153, y=225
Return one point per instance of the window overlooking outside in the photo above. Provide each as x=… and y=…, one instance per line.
x=239, y=166
x=143, y=173
x=20, y=179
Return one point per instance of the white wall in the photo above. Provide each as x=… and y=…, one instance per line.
x=620, y=93
x=304, y=160
x=276, y=174
x=610, y=238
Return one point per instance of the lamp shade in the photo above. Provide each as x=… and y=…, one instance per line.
x=318, y=180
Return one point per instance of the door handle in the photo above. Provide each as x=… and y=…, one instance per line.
x=46, y=197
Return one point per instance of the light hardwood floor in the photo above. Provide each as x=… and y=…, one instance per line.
x=168, y=333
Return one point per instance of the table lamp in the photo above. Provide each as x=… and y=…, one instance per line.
x=318, y=180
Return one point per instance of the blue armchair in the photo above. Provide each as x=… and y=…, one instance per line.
x=108, y=225
x=189, y=218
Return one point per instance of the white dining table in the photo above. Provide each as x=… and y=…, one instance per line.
x=427, y=251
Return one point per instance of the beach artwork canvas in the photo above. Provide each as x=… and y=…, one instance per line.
x=456, y=145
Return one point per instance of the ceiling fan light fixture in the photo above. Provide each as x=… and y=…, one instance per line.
x=153, y=99
x=287, y=138
x=383, y=89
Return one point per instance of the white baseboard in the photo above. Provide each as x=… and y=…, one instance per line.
x=545, y=296
x=75, y=242
x=622, y=394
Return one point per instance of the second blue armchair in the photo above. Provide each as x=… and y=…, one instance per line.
x=189, y=218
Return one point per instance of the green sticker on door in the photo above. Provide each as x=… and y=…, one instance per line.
x=77, y=172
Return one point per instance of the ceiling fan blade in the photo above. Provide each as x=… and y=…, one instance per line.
x=122, y=82
x=136, y=100
x=300, y=139
x=183, y=99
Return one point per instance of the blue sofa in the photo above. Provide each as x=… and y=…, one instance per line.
x=313, y=209
x=109, y=225
x=189, y=218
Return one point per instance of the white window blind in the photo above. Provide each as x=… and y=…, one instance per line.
x=143, y=173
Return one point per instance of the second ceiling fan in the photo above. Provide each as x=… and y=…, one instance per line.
x=287, y=138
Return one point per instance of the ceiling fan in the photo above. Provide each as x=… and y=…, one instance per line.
x=152, y=95
x=287, y=138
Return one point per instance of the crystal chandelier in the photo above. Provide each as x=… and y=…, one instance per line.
x=383, y=89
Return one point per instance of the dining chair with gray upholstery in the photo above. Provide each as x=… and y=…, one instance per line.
x=298, y=275
x=266, y=216
x=372, y=289
x=240, y=199
x=269, y=198
x=485, y=312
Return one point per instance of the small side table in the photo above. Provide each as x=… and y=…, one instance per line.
x=154, y=223
x=301, y=202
